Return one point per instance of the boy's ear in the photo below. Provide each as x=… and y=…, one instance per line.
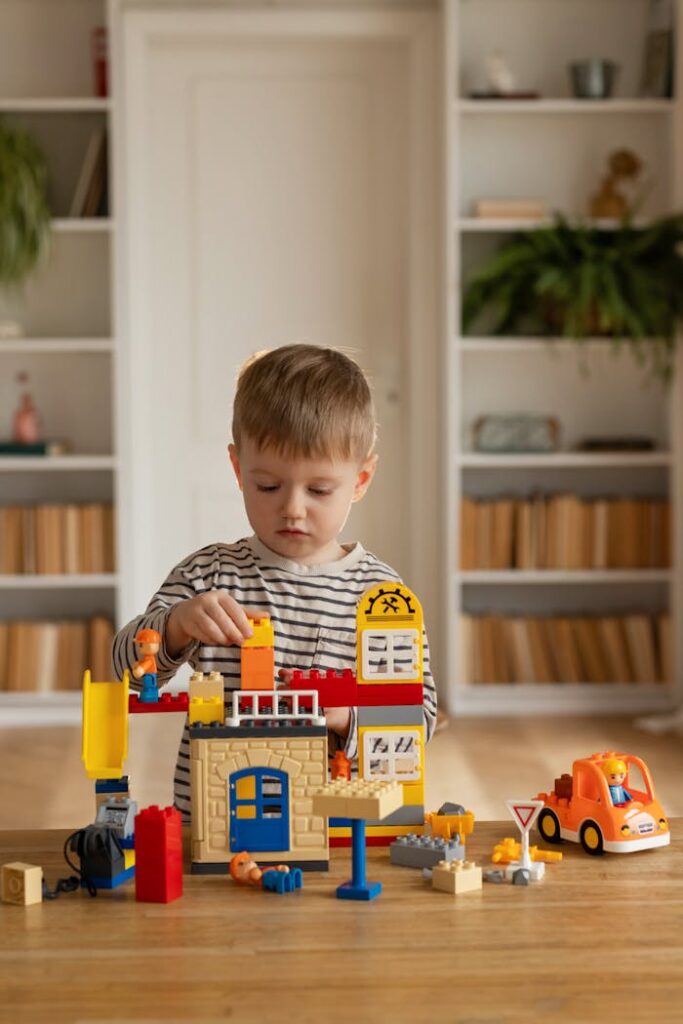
x=235, y=460
x=364, y=478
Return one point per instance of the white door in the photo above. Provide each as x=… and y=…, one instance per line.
x=267, y=197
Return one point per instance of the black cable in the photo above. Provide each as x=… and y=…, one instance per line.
x=75, y=881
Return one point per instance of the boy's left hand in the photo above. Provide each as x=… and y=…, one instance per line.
x=338, y=719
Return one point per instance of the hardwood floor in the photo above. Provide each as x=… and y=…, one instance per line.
x=477, y=762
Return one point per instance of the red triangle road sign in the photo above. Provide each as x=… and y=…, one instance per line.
x=525, y=812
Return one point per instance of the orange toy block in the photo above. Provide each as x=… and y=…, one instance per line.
x=258, y=668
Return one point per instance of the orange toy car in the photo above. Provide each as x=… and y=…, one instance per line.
x=581, y=808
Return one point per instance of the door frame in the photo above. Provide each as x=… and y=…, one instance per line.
x=136, y=29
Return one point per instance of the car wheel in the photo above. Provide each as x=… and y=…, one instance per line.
x=591, y=838
x=549, y=826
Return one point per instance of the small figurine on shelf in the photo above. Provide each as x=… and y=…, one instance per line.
x=26, y=426
x=615, y=772
x=608, y=203
x=148, y=641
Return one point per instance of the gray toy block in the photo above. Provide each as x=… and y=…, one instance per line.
x=520, y=877
x=494, y=875
x=398, y=714
x=413, y=851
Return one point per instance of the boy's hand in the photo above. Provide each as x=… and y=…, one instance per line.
x=213, y=618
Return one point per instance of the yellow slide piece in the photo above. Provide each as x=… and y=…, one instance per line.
x=105, y=727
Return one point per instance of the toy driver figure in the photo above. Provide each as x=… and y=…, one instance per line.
x=148, y=642
x=615, y=771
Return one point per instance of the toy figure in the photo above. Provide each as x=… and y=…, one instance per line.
x=615, y=770
x=274, y=878
x=26, y=421
x=340, y=766
x=148, y=641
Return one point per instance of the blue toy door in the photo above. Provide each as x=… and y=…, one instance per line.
x=259, y=810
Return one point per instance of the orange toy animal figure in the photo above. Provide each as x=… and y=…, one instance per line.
x=274, y=878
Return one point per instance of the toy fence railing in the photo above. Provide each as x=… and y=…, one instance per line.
x=251, y=707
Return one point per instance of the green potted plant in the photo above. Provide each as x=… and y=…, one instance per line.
x=24, y=213
x=583, y=280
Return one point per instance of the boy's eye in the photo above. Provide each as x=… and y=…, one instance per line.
x=267, y=488
x=319, y=490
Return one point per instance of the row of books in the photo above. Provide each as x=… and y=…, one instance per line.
x=581, y=649
x=57, y=538
x=42, y=657
x=565, y=532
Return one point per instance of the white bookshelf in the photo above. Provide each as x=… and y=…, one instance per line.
x=69, y=347
x=553, y=148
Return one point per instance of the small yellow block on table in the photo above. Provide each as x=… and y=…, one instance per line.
x=456, y=876
x=21, y=883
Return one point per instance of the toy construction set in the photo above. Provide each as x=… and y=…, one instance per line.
x=267, y=807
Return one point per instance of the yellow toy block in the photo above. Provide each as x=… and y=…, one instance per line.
x=21, y=884
x=456, y=876
x=206, y=710
x=257, y=668
x=357, y=799
x=105, y=727
x=510, y=850
x=206, y=686
x=263, y=635
x=388, y=613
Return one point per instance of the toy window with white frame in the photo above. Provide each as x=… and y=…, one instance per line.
x=391, y=654
x=392, y=754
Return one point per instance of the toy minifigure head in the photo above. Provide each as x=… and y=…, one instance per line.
x=148, y=640
x=244, y=870
x=615, y=770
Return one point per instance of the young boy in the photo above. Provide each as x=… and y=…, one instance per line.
x=303, y=438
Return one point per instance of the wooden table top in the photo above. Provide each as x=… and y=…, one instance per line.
x=599, y=939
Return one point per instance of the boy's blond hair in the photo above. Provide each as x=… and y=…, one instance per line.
x=305, y=401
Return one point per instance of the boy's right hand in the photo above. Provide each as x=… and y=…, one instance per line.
x=214, y=618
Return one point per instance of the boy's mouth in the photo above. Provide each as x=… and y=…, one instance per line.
x=291, y=533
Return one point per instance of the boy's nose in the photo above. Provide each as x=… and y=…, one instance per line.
x=293, y=505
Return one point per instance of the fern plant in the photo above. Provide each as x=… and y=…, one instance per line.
x=24, y=212
x=582, y=281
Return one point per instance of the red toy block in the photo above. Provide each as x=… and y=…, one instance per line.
x=158, y=855
x=376, y=695
x=166, y=702
x=335, y=689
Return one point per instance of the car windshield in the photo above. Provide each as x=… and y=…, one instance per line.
x=636, y=783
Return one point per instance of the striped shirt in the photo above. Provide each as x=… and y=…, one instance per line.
x=312, y=607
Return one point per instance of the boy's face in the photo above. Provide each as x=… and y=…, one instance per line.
x=296, y=506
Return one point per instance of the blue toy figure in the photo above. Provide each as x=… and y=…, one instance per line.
x=615, y=771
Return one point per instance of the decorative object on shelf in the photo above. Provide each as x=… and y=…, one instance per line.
x=24, y=212
x=510, y=209
x=608, y=203
x=90, y=195
x=593, y=79
x=657, y=78
x=624, y=443
x=516, y=433
x=26, y=425
x=582, y=280
x=100, y=61
x=500, y=82
x=10, y=330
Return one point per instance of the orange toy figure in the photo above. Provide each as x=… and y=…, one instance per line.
x=149, y=642
x=340, y=766
x=275, y=878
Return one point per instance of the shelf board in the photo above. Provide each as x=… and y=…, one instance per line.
x=56, y=463
x=565, y=106
x=33, y=346
x=494, y=577
x=71, y=225
x=501, y=344
x=27, y=581
x=548, y=698
x=55, y=104
x=22, y=710
x=564, y=460
x=469, y=225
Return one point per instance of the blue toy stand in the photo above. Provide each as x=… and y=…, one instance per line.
x=358, y=888
x=150, y=691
